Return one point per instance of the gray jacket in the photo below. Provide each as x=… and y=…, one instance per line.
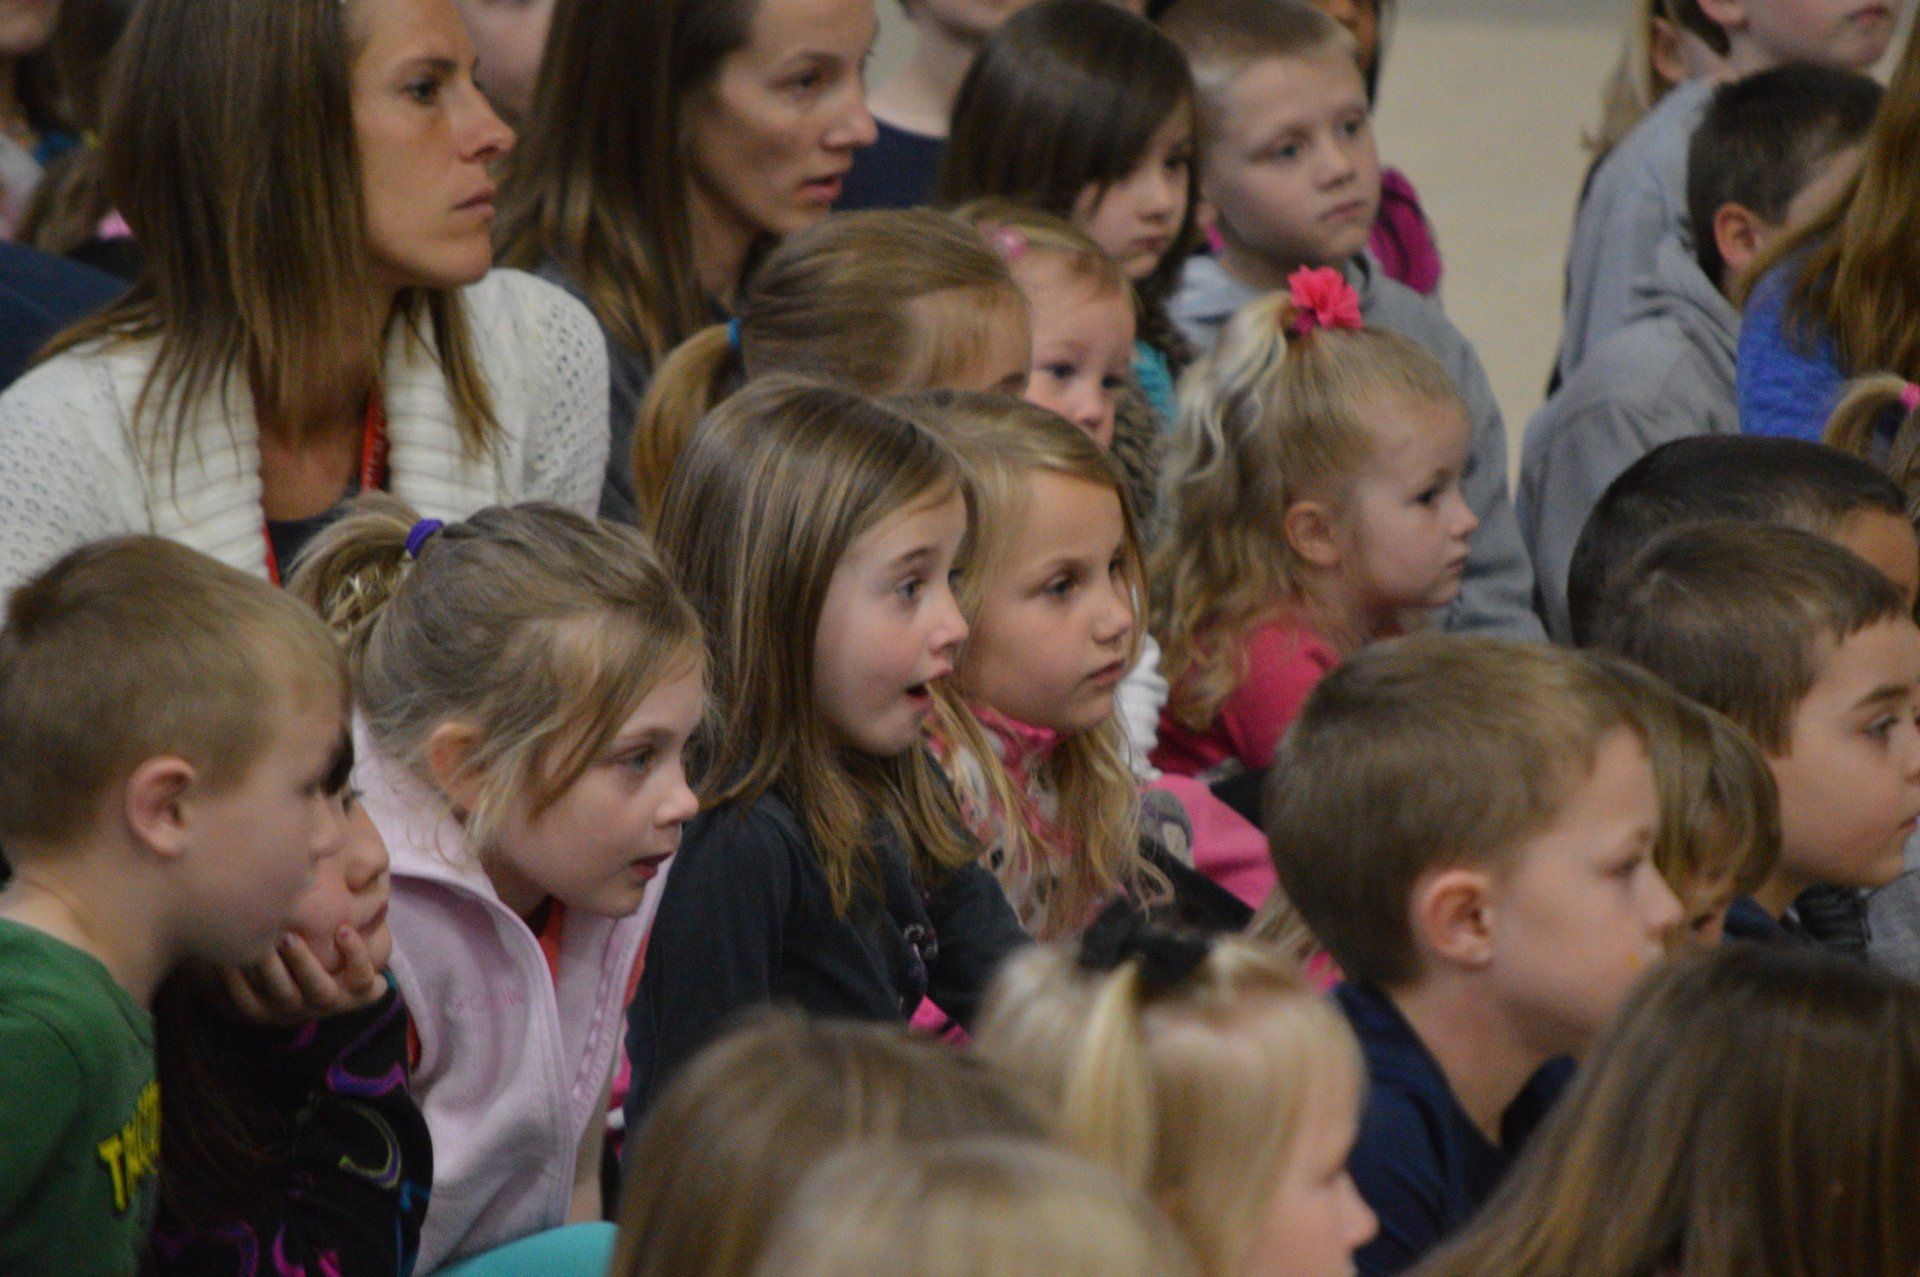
x=1636, y=201
x=1496, y=596
x=1667, y=374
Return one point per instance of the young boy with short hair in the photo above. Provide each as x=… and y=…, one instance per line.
x=1815, y=654
x=1290, y=168
x=175, y=737
x=1467, y=825
x=1636, y=198
x=1771, y=151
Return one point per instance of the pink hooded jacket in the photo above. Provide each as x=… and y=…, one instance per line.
x=512, y=1062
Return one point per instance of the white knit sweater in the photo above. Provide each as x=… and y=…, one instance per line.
x=71, y=473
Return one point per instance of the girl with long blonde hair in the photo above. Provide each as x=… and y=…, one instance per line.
x=1206, y=1073
x=1312, y=504
x=315, y=314
x=1028, y=729
x=876, y=302
x=1752, y=1111
x=817, y=533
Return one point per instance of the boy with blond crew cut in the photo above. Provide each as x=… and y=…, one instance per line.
x=1467, y=825
x=175, y=741
x=1815, y=654
x=1291, y=171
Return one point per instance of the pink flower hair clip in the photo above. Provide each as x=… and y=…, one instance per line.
x=1322, y=298
x=1910, y=398
x=1008, y=241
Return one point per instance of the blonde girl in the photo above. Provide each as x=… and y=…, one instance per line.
x=1878, y=418
x=1083, y=110
x=971, y=1208
x=526, y=682
x=1312, y=503
x=1752, y=1111
x=735, y=1133
x=1028, y=729
x=1656, y=54
x=1204, y=1073
x=877, y=302
x=816, y=533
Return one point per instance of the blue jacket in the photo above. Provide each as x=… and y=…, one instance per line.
x=39, y=295
x=1789, y=382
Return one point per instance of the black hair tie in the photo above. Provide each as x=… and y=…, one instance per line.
x=1168, y=958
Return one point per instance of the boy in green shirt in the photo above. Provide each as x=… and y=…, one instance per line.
x=170, y=728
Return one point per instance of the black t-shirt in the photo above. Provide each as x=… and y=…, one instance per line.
x=897, y=171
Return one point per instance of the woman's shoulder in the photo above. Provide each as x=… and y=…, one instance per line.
x=525, y=304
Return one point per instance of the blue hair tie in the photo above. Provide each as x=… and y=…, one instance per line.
x=420, y=534
x=733, y=333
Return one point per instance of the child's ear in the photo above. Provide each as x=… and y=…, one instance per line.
x=1739, y=233
x=1666, y=51
x=155, y=805
x=1451, y=916
x=449, y=755
x=1313, y=532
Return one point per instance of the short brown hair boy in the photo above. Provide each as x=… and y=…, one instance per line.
x=135, y=647
x=1421, y=753
x=1222, y=38
x=1742, y=616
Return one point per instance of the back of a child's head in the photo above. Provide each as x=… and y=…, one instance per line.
x=1271, y=416
x=1027, y=237
x=540, y=629
x=1188, y=1065
x=732, y=1136
x=876, y=301
x=1223, y=38
x=1752, y=1112
x=1719, y=830
x=1764, y=138
x=1002, y=444
x=1419, y=754
x=136, y=648
x=774, y=487
x=971, y=1208
x=1067, y=96
x=1751, y=478
x=1742, y=617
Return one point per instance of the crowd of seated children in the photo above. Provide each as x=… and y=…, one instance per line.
x=947, y=687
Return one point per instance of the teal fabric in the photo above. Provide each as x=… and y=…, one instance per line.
x=1156, y=379
x=578, y=1250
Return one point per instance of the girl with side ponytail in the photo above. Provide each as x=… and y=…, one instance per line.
x=1206, y=1073
x=525, y=683
x=1879, y=419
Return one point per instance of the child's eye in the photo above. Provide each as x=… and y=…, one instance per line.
x=1113, y=384
x=1285, y=153
x=1061, y=586
x=1353, y=127
x=1059, y=372
x=639, y=760
x=425, y=91
x=1429, y=496
x=909, y=589
x=1881, y=729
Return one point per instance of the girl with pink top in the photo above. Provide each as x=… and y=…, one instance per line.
x=1314, y=505
x=525, y=683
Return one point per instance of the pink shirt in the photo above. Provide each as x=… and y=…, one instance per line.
x=1285, y=659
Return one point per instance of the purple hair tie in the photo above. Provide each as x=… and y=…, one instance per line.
x=418, y=537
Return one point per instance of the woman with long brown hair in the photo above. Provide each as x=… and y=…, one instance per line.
x=1753, y=1111
x=315, y=314
x=670, y=143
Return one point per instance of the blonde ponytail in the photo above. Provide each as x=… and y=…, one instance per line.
x=696, y=376
x=351, y=570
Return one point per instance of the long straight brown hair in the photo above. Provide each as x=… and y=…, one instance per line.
x=598, y=183
x=230, y=149
x=1857, y=277
x=1068, y=94
x=1753, y=1112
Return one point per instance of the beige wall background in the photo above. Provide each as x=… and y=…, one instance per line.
x=1483, y=104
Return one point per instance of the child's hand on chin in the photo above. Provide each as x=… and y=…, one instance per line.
x=291, y=986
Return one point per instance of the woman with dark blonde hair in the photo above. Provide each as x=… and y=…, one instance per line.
x=670, y=143
x=315, y=314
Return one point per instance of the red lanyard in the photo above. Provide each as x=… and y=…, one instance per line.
x=373, y=469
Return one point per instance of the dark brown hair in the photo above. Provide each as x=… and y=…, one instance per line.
x=1742, y=617
x=71, y=198
x=599, y=181
x=1068, y=94
x=1753, y=1112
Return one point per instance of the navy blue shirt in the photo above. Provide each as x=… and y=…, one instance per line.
x=1420, y=1162
x=39, y=295
x=897, y=171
